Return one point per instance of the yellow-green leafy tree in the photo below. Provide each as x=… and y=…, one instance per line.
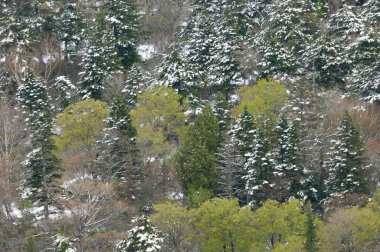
x=173, y=220
x=221, y=225
x=263, y=100
x=278, y=225
x=160, y=122
x=80, y=126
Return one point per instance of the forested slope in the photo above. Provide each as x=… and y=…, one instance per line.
x=176, y=125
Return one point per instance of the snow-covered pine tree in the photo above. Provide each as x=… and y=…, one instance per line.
x=364, y=53
x=20, y=23
x=284, y=39
x=41, y=166
x=224, y=66
x=243, y=132
x=346, y=163
x=174, y=73
x=61, y=244
x=221, y=111
x=330, y=54
x=99, y=60
x=70, y=27
x=198, y=37
x=62, y=92
x=256, y=13
x=124, y=19
x=143, y=237
x=290, y=175
x=133, y=86
x=120, y=154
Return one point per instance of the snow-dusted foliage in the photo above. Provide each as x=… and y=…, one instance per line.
x=70, y=27
x=142, y=238
x=259, y=168
x=289, y=173
x=63, y=92
x=41, y=165
x=330, y=55
x=346, y=161
x=99, y=60
x=134, y=85
x=244, y=131
x=284, y=39
x=19, y=23
x=174, y=73
x=61, y=244
x=123, y=17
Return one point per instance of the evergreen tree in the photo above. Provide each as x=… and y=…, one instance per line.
x=364, y=50
x=124, y=19
x=41, y=167
x=289, y=172
x=311, y=242
x=198, y=39
x=259, y=169
x=121, y=155
x=99, y=60
x=19, y=23
x=196, y=157
x=284, y=39
x=61, y=244
x=330, y=53
x=70, y=27
x=63, y=92
x=133, y=86
x=221, y=111
x=174, y=73
x=243, y=132
x=143, y=237
x=225, y=69
x=346, y=163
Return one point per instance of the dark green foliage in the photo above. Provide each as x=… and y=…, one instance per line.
x=99, y=61
x=124, y=20
x=311, y=242
x=120, y=155
x=196, y=157
x=243, y=131
x=41, y=167
x=346, y=163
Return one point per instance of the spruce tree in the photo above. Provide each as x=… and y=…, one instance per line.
x=198, y=39
x=196, y=157
x=99, y=61
x=143, y=237
x=62, y=92
x=289, y=173
x=284, y=39
x=120, y=153
x=133, y=86
x=174, y=73
x=41, y=166
x=331, y=52
x=124, y=19
x=346, y=163
x=243, y=132
x=259, y=169
x=70, y=27
x=311, y=242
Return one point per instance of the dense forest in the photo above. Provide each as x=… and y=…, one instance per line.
x=190, y=125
